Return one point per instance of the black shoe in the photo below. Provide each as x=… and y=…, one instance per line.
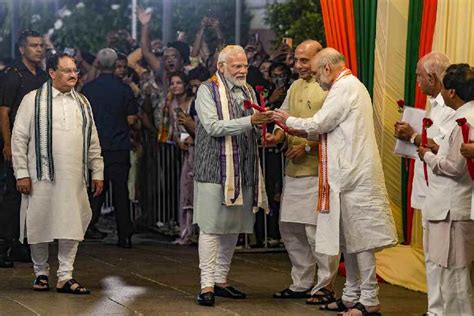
x=229, y=292
x=206, y=299
x=125, y=242
x=94, y=233
x=6, y=261
x=287, y=293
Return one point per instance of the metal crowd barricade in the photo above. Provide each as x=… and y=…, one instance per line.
x=160, y=179
x=160, y=172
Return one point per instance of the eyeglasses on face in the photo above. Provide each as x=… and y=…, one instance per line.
x=69, y=71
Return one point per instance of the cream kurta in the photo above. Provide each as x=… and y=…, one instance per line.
x=440, y=114
x=59, y=209
x=358, y=198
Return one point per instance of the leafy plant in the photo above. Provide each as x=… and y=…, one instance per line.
x=298, y=19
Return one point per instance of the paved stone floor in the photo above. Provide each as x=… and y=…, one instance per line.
x=157, y=278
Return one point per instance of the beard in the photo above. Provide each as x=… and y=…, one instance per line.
x=235, y=81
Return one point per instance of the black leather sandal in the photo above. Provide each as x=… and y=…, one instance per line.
x=319, y=299
x=67, y=288
x=341, y=307
x=43, y=281
x=364, y=311
x=287, y=293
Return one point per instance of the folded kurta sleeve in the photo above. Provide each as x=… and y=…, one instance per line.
x=207, y=113
x=335, y=109
x=21, y=135
x=96, y=162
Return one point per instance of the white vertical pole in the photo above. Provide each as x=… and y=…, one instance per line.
x=238, y=18
x=134, y=19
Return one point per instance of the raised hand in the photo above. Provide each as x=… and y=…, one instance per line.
x=144, y=16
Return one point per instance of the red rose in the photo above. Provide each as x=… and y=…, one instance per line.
x=461, y=121
x=401, y=103
x=247, y=104
x=427, y=122
x=259, y=88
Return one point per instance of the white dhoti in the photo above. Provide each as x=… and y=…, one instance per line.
x=298, y=219
x=67, y=250
x=450, y=251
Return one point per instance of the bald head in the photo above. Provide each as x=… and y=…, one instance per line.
x=329, y=56
x=326, y=66
x=429, y=72
x=303, y=54
x=312, y=47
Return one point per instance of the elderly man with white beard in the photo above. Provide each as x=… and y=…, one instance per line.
x=228, y=182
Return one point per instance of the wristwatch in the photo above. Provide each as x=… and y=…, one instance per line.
x=307, y=148
x=413, y=137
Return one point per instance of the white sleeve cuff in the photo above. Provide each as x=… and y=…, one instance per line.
x=290, y=122
x=22, y=173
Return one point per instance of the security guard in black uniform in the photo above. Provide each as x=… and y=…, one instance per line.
x=21, y=77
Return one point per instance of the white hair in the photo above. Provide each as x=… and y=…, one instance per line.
x=229, y=50
x=435, y=63
x=330, y=56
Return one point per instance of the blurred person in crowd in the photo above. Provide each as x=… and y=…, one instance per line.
x=226, y=190
x=255, y=52
x=54, y=144
x=298, y=218
x=23, y=76
x=201, y=50
x=265, y=69
x=115, y=108
x=127, y=74
x=172, y=59
x=182, y=131
x=4, y=64
x=197, y=76
x=280, y=78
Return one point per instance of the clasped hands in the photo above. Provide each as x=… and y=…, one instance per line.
x=275, y=116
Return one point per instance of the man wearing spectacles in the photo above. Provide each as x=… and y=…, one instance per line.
x=54, y=144
x=22, y=77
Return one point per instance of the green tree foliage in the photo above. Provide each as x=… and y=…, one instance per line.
x=85, y=24
x=298, y=19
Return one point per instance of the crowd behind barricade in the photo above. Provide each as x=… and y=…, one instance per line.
x=182, y=128
x=143, y=101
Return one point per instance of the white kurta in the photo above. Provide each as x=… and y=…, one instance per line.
x=56, y=209
x=358, y=197
x=440, y=114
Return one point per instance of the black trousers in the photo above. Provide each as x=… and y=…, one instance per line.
x=10, y=208
x=116, y=168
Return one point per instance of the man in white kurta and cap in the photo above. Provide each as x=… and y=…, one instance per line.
x=429, y=75
x=447, y=210
x=354, y=215
x=298, y=213
x=54, y=144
